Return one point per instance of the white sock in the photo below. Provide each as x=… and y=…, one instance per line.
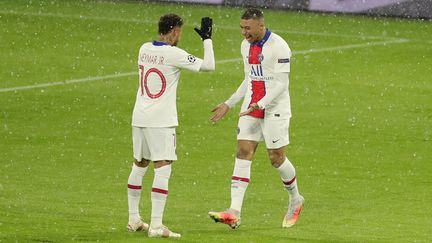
x=134, y=191
x=239, y=182
x=159, y=194
x=288, y=176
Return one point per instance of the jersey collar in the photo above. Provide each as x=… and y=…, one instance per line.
x=159, y=43
x=263, y=41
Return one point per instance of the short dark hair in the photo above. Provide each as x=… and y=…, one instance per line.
x=253, y=13
x=167, y=22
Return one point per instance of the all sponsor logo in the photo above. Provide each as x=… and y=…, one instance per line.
x=256, y=70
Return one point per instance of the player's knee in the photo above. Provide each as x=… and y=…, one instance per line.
x=276, y=158
x=245, y=154
x=161, y=163
x=142, y=163
x=276, y=163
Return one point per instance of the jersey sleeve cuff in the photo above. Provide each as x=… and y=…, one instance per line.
x=261, y=105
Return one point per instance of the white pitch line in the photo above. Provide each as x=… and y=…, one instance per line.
x=334, y=48
x=216, y=26
x=118, y=75
x=374, y=37
x=352, y=46
x=71, y=81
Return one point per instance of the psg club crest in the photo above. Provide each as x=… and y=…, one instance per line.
x=191, y=59
x=260, y=57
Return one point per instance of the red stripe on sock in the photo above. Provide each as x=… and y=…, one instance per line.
x=134, y=187
x=289, y=182
x=236, y=178
x=158, y=190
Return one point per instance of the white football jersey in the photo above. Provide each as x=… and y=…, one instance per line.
x=159, y=74
x=262, y=61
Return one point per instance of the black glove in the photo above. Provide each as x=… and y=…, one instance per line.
x=206, y=28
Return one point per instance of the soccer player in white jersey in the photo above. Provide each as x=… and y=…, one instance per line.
x=265, y=115
x=154, y=118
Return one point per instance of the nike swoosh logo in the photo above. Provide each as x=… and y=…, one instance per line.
x=275, y=141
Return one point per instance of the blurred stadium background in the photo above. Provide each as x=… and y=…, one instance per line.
x=361, y=132
x=396, y=8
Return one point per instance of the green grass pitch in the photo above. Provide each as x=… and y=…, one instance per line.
x=361, y=132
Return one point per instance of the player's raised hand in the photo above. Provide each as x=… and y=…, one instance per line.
x=219, y=111
x=252, y=107
x=206, y=28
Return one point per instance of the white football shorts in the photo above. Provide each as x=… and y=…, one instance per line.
x=273, y=131
x=154, y=143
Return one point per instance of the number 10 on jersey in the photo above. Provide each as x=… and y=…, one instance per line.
x=144, y=80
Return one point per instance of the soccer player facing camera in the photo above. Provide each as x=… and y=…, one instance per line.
x=265, y=115
x=154, y=118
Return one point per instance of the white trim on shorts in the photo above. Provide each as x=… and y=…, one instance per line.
x=273, y=131
x=154, y=143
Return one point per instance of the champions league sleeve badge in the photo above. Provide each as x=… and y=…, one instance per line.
x=191, y=58
x=284, y=60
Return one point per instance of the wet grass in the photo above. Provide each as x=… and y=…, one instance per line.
x=360, y=134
